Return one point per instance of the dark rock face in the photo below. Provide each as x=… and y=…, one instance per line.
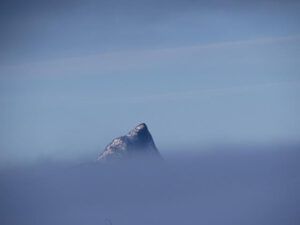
x=138, y=142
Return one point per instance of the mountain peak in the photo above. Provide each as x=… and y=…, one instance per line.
x=138, y=142
x=141, y=126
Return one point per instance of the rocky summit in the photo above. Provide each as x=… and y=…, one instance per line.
x=138, y=142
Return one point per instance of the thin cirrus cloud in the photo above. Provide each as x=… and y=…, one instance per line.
x=38, y=30
x=196, y=94
x=144, y=59
x=181, y=96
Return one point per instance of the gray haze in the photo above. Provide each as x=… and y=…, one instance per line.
x=223, y=186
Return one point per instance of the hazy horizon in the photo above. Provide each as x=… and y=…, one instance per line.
x=212, y=187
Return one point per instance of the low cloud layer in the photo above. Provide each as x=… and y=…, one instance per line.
x=217, y=187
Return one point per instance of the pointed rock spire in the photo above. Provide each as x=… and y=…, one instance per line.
x=138, y=142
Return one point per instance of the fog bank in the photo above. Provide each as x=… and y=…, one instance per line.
x=214, y=187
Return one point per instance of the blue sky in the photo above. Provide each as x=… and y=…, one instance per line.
x=73, y=75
